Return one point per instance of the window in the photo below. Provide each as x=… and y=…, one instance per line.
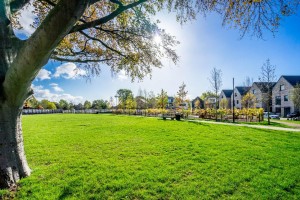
x=278, y=100
x=235, y=94
x=286, y=98
x=253, y=91
x=237, y=101
x=281, y=87
x=222, y=96
x=278, y=110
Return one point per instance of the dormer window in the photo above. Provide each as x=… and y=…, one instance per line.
x=281, y=87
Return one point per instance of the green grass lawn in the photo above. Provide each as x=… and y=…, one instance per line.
x=275, y=123
x=121, y=157
x=291, y=121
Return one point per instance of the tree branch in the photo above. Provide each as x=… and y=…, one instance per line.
x=117, y=2
x=16, y=5
x=105, y=45
x=36, y=51
x=107, y=18
x=79, y=60
x=49, y=2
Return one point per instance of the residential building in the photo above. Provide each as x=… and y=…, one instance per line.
x=282, y=92
x=200, y=100
x=239, y=92
x=170, y=104
x=260, y=91
x=226, y=94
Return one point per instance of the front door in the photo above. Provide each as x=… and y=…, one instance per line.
x=287, y=110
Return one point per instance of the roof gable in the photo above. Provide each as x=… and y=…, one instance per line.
x=227, y=93
x=242, y=90
x=293, y=80
x=263, y=86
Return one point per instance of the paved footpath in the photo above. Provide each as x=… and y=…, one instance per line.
x=251, y=126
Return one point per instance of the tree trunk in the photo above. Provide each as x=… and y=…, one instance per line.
x=13, y=164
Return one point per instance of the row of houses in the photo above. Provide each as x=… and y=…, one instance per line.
x=281, y=92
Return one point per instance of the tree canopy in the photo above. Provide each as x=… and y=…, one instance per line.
x=120, y=33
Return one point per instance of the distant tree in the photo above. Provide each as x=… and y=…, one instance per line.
x=123, y=94
x=151, y=100
x=162, y=99
x=197, y=104
x=51, y=105
x=87, y=105
x=248, y=81
x=78, y=106
x=181, y=94
x=249, y=101
x=216, y=83
x=47, y=104
x=71, y=105
x=224, y=104
x=296, y=97
x=57, y=105
x=267, y=78
x=130, y=103
x=208, y=94
x=63, y=104
x=111, y=102
x=100, y=104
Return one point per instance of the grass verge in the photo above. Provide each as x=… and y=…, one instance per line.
x=122, y=157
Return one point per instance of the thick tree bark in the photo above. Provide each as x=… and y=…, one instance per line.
x=20, y=61
x=13, y=164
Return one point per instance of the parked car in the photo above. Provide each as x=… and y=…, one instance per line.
x=293, y=115
x=271, y=115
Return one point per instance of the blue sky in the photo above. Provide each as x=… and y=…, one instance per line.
x=204, y=44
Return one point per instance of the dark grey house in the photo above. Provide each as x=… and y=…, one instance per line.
x=239, y=92
x=226, y=94
x=261, y=90
x=194, y=102
x=282, y=92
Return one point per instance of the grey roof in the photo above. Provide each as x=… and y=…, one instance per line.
x=293, y=80
x=242, y=90
x=227, y=93
x=263, y=86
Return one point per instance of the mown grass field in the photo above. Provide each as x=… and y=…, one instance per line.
x=292, y=121
x=122, y=157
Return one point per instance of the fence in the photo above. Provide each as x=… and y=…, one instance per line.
x=49, y=111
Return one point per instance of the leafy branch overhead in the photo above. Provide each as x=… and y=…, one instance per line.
x=120, y=33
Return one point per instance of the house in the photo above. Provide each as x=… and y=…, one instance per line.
x=260, y=91
x=170, y=104
x=238, y=93
x=226, y=94
x=194, y=103
x=282, y=92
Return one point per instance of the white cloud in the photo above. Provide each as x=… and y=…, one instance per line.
x=41, y=93
x=26, y=20
x=56, y=88
x=69, y=71
x=122, y=75
x=43, y=74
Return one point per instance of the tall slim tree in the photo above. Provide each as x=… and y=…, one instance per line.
x=215, y=80
x=123, y=95
x=296, y=97
x=162, y=99
x=93, y=32
x=181, y=94
x=87, y=105
x=267, y=79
